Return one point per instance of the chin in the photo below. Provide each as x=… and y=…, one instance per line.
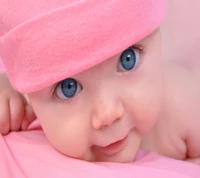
x=126, y=155
x=118, y=158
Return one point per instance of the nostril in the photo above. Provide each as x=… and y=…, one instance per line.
x=111, y=121
x=100, y=124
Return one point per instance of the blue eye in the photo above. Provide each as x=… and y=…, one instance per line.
x=128, y=59
x=67, y=89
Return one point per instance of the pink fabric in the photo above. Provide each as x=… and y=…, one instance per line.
x=58, y=39
x=29, y=154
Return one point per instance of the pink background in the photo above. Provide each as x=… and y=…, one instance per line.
x=181, y=31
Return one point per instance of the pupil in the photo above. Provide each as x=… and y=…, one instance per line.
x=70, y=86
x=128, y=58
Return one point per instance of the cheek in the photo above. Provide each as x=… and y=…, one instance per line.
x=68, y=134
x=145, y=109
x=146, y=100
x=70, y=138
x=150, y=93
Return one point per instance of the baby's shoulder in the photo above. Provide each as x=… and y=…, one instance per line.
x=166, y=138
x=181, y=95
x=181, y=108
x=176, y=133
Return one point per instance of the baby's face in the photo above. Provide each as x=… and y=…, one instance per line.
x=102, y=113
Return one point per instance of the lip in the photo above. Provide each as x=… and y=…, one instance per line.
x=114, y=148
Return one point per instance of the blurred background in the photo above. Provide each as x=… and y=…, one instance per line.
x=181, y=31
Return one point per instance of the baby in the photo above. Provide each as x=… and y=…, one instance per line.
x=96, y=80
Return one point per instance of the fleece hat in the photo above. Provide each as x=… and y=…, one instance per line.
x=45, y=41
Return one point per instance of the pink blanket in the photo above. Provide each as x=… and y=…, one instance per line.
x=29, y=154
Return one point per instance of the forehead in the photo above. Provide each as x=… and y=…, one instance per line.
x=155, y=35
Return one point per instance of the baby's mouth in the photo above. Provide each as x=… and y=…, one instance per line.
x=114, y=147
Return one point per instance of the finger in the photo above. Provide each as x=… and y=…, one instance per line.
x=4, y=116
x=16, y=113
x=29, y=117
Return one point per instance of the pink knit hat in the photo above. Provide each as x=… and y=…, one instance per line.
x=45, y=41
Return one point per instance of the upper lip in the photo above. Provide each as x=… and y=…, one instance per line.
x=106, y=145
x=113, y=143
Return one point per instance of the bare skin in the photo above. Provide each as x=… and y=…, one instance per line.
x=169, y=127
x=16, y=113
x=176, y=134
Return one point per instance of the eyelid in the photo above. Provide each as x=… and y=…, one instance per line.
x=138, y=47
x=54, y=88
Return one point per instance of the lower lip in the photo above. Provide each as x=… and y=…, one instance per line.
x=114, y=147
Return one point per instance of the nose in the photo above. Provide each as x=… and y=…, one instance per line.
x=106, y=110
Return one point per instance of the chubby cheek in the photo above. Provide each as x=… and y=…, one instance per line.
x=68, y=137
x=68, y=134
x=146, y=102
x=146, y=114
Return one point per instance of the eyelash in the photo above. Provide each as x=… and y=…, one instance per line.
x=138, y=47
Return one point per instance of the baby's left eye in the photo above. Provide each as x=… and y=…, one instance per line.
x=67, y=89
x=129, y=59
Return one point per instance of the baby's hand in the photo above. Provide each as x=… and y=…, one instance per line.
x=15, y=112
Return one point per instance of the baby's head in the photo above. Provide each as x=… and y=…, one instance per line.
x=102, y=113
x=101, y=92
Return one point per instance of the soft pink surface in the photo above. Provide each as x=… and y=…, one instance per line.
x=29, y=154
x=181, y=32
